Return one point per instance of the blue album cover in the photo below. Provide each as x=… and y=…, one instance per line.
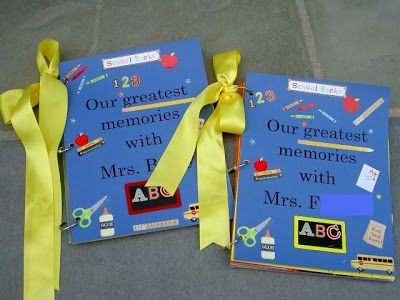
x=123, y=110
x=315, y=196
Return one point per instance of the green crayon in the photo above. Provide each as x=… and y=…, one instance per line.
x=302, y=116
x=97, y=79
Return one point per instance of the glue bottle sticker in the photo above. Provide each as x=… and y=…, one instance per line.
x=267, y=246
x=106, y=224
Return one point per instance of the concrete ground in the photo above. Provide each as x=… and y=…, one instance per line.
x=343, y=40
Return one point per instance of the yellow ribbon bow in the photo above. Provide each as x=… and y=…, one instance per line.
x=43, y=197
x=228, y=117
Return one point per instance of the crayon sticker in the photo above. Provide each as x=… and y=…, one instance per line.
x=71, y=72
x=307, y=106
x=81, y=84
x=80, y=72
x=291, y=105
x=96, y=79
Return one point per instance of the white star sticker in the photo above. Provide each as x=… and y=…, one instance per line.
x=188, y=81
x=370, y=131
x=379, y=196
x=252, y=141
x=72, y=120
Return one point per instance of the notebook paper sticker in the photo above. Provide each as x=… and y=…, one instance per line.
x=346, y=205
x=375, y=234
x=368, y=178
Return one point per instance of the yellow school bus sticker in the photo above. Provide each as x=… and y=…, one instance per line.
x=319, y=234
x=373, y=262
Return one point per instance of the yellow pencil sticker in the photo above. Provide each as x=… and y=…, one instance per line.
x=157, y=105
x=319, y=234
x=334, y=146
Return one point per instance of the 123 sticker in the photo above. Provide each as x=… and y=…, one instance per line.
x=319, y=234
x=141, y=199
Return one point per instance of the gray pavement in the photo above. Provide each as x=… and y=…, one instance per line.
x=343, y=40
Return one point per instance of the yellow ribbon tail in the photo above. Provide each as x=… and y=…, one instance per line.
x=169, y=171
x=43, y=199
x=228, y=116
x=212, y=188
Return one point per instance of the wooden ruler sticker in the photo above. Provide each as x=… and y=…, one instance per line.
x=368, y=111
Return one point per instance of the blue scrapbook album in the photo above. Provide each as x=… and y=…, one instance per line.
x=315, y=196
x=123, y=109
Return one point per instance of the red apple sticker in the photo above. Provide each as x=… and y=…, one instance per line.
x=81, y=139
x=260, y=165
x=169, y=61
x=351, y=104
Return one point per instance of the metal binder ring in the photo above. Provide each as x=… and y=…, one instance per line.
x=245, y=162
x=63, y=226
x=251, y=93
x=62, y=150
x=227, y=247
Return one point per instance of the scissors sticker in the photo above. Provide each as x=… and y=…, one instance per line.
x=248, y=235
x=85, y=215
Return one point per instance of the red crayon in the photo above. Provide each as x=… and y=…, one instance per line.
x=307, y=106
x=83, y=69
